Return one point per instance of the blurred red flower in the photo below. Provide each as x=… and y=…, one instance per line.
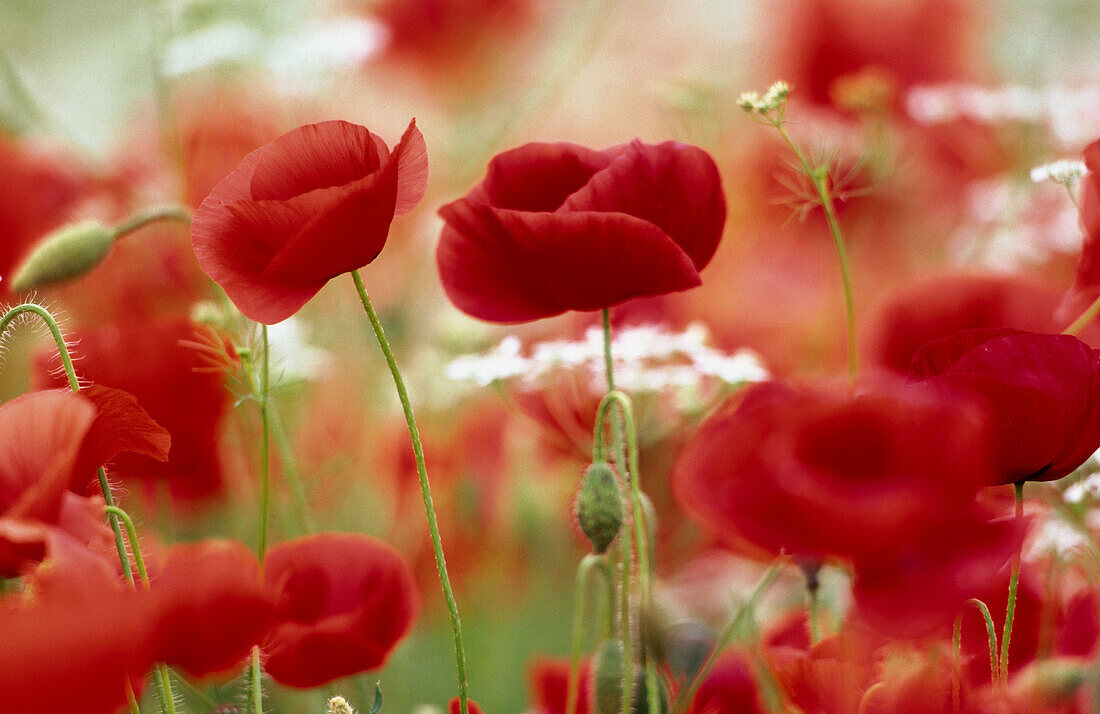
x=1086, y=287
x=941, y=306
x=454, y=707
x=816, y=473
x=548, y=681
x=147, y=361
x=344, y=600
x=557, y=227
x=314, y=203
x=729, y=687
x=210, y=606
x=1042, y=393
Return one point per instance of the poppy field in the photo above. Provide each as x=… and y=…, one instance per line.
x=580, y=357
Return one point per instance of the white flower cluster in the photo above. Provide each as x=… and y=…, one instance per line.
x=1066, y=172
x=647, y=358
x=1071, y=114
x=773, y=99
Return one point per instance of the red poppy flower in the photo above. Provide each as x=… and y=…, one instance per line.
x=548, y=680
x=943, y=305
x=297, y=212
x=1042, y=393
x=148, y=361
x=344, y=601
x=211, y=606
x=817, y=473
x=556, y=227
x=729, y=687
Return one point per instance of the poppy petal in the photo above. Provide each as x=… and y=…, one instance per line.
x=412, y=169
x=538, y=176
x=322, y=155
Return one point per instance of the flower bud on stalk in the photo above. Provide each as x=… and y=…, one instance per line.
x=66, y=253
x=600, y=506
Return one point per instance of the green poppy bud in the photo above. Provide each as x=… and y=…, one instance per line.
x=67, y=253
x=600, y=506
x=608, y=676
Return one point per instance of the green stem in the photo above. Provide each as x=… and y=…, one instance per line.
x=819, y=178
x=991, y=631
x=256, y=691
x=425, y=490
x=1010, y=614
x=74, y=384
x=580, y=598
x=152, y=215
x=688, y=692
x=265, y=447
x=609, y=368
x=290, y=472
x=1085, y=318
x=131, y=700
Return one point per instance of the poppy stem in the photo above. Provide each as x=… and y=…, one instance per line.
x=265, y=453
x=819, y=176
x=1084, y=319
x=152, y=215
x=425, y=490
x=1010, y=614
x=256, y=691
x=74, y=384
x=580, y=598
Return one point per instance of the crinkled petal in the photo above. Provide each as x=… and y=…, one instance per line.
x=322, y=155
x=538, y=176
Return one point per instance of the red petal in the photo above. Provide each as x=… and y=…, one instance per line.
x=455, y=706
x=509, y=266
x=331, y=153
x=412, y=169
x=537, y=177
x=344, y=601
x=672, y=185
x=40, y=436
x=210, y=604
x=120, y=425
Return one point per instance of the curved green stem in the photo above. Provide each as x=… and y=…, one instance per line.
x=991, y=631
x=74, y=384
x=425, y=490
x=688, y=692
x=152, y=215
x=819, y=177
x=1010, y=614
x=580, y=598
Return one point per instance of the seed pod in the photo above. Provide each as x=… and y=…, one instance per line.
x=608, y=675
x=600, y=506
x=67, y=253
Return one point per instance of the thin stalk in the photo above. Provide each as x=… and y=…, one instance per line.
x=991, y=631
x=152, y=215
x=1010, y=614
x=265, y=453
x=865, y=700
x=815, y=631
x=1084, y=319
x=580, y=597
x=74, y=384
x=425, y=490
x=688, y=692
x=131, y=699
x=290, y=472
x=256, y=691
x=818, y=177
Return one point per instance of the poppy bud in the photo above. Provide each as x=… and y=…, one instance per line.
x=608, y=676
x=67, y=253
x=599, y=506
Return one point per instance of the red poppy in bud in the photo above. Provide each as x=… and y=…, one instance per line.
x=313, y=204
x=1042, y=394
x=815, y=472
x=344, y=601
x=1087, y=285
x=455, y=706
x=211, y=606
x=557, y=227
x=170, y=382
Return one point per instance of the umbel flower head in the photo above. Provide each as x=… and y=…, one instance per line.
x=313, y=204
x=557, y=227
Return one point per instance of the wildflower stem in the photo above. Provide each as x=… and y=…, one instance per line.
x=256, y=692
x=425, y=490
x=819, y=177
x=152, y=215
x=1085, y=318
x=74, y=384
x=265, y=453
x=580, y=598
x=688, y=692
x=1006, y=636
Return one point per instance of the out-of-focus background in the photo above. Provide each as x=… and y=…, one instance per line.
x=936, y=111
